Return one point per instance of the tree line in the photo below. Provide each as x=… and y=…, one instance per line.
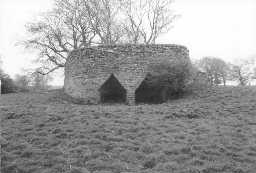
x=29, y=81
x=165, y=75
x=218, y=71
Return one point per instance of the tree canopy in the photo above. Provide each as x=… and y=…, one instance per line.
x=215, y=68
x=243, y=70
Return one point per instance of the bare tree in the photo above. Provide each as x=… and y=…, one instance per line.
x=22, y=82
x=103, y=17
x=58, y=32
x=146, y=20
x=215, y=69
x=243, y=71
x=39, y=81
x=76, y=24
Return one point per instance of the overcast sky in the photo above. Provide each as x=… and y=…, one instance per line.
x=221, y=28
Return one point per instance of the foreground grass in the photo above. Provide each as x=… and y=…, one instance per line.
x=212, y=132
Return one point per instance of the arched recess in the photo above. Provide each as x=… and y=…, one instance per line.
x=146, y=93
x=112, y=91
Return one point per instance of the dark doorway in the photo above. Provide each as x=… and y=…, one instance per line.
x=112, y=91
x=147, y=93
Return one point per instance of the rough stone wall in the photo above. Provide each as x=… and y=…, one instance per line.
x=88, y=68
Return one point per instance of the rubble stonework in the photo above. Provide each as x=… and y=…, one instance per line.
x=87, y=69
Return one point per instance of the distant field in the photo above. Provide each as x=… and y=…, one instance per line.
x=214, y=131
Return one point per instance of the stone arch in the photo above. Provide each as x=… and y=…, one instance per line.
x=111, y=91
x=145, y=93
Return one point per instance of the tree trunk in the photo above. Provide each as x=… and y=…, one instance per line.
x=224, y=81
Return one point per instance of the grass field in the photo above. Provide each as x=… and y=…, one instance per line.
x=214, y=131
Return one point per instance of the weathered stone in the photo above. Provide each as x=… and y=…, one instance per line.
x=87, y=69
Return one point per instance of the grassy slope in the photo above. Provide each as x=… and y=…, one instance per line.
x=212, y=132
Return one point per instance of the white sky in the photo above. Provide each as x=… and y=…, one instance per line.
x=221, y=28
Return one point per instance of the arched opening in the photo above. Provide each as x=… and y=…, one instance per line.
x=147, y=93
x=112, y=91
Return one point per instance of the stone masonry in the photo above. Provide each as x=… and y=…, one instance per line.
x=87, y=69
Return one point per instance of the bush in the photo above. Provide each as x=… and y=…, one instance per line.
x=198, y=82
x=168, y=79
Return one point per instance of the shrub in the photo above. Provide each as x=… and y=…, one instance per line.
x=198, y=82
x=169, y=78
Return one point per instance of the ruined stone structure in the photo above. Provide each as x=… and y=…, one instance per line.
x=114, y=72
